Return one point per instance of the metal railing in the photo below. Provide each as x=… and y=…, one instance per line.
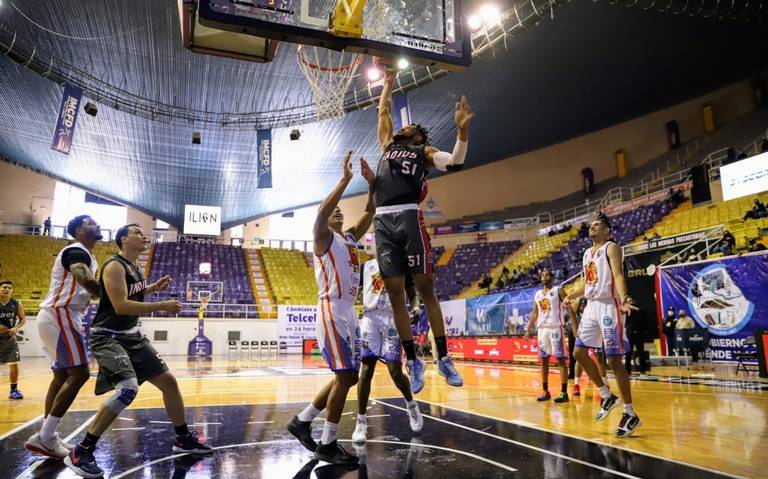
x=191, y=310
x=716, y=161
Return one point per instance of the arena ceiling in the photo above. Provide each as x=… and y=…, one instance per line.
x=595, y=64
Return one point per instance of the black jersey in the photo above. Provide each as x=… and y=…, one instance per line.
x=401, y=175
x=9, y=313
x=106, y=317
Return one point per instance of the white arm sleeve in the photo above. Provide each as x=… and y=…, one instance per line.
x=442, y=160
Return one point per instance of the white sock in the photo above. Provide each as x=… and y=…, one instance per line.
x=628, y=409
x=329, y=433
x=411, y=404
x=362, y=418
x=309, y=413
x=49, y=428
x=605, y=393
x=605, y=380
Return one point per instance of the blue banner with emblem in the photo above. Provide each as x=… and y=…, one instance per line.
x=486, y=315
x=519, y=306
x=727, y=296
x=67, y=118
x=264, y=145
x=401, y=110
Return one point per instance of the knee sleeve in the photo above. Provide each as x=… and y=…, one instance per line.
x=125, y=393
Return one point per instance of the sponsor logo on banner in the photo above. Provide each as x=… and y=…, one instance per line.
x=445, y=230
x=725, y=297
x=295, y=324
x=507, y=349
x=455, y=314
x=202, y=220
x=67, y=118
x=644, y=200
x=264, y=144
x=670, y=241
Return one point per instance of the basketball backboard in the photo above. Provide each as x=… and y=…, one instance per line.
x=212, y=290
x=429, y=32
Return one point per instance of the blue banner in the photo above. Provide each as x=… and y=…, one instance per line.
x=467, y=228
x=67, y=118
x=486, y=315
x=492, y=226
x=726, y=296
x=402, y=112
x=264, y=142
x=519, y=305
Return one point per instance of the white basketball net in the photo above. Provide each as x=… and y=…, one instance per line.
x=329, y=74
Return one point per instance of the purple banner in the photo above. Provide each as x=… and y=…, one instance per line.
x=445, y=230
x=727, y=297
x=67, y=118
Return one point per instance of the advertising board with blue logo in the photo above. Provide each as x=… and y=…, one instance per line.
x=294, y=324
x=727, y=296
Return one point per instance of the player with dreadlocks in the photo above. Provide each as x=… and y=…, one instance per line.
x=402, y=241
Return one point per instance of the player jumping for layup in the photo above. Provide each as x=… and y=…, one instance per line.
x=547, y=316
x=59, y=323
x=337, y=270
x=402, y=241
x=602, y=324
x=380, y=342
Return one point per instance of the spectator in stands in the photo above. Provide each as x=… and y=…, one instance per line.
x=727, y=244
x=486, y=283
x=504, y=275
x=656, y=235
x=668, y=328
x=764, y=145
x=47, y=226
x=755, y=245
x=692, y=256
x=758, y=211
x=675, y=198
x=500, y=284
x=686, y=322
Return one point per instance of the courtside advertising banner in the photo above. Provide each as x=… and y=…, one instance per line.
x=519, y=305
x=728, y=296
x=67, y=118
x=486, y=315
x=264, y=144
x=295, y=324
x=455, y=314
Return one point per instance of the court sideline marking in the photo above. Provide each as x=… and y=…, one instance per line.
x=521, y=444
x=19, y=428
x=284, y=441
x=599, y=443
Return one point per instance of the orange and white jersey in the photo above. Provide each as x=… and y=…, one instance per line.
x=337, y=271
x=65, y=291
x=375, y=297
x=550, y=309
x=598, y=277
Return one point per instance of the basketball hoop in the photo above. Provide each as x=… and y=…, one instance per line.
x=329, y=74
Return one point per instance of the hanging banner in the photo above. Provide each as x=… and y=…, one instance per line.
x=727, y=296
x=67, y=118
x=402, y=111
x=264, y=144
x=295, y=324
x=445, y=230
